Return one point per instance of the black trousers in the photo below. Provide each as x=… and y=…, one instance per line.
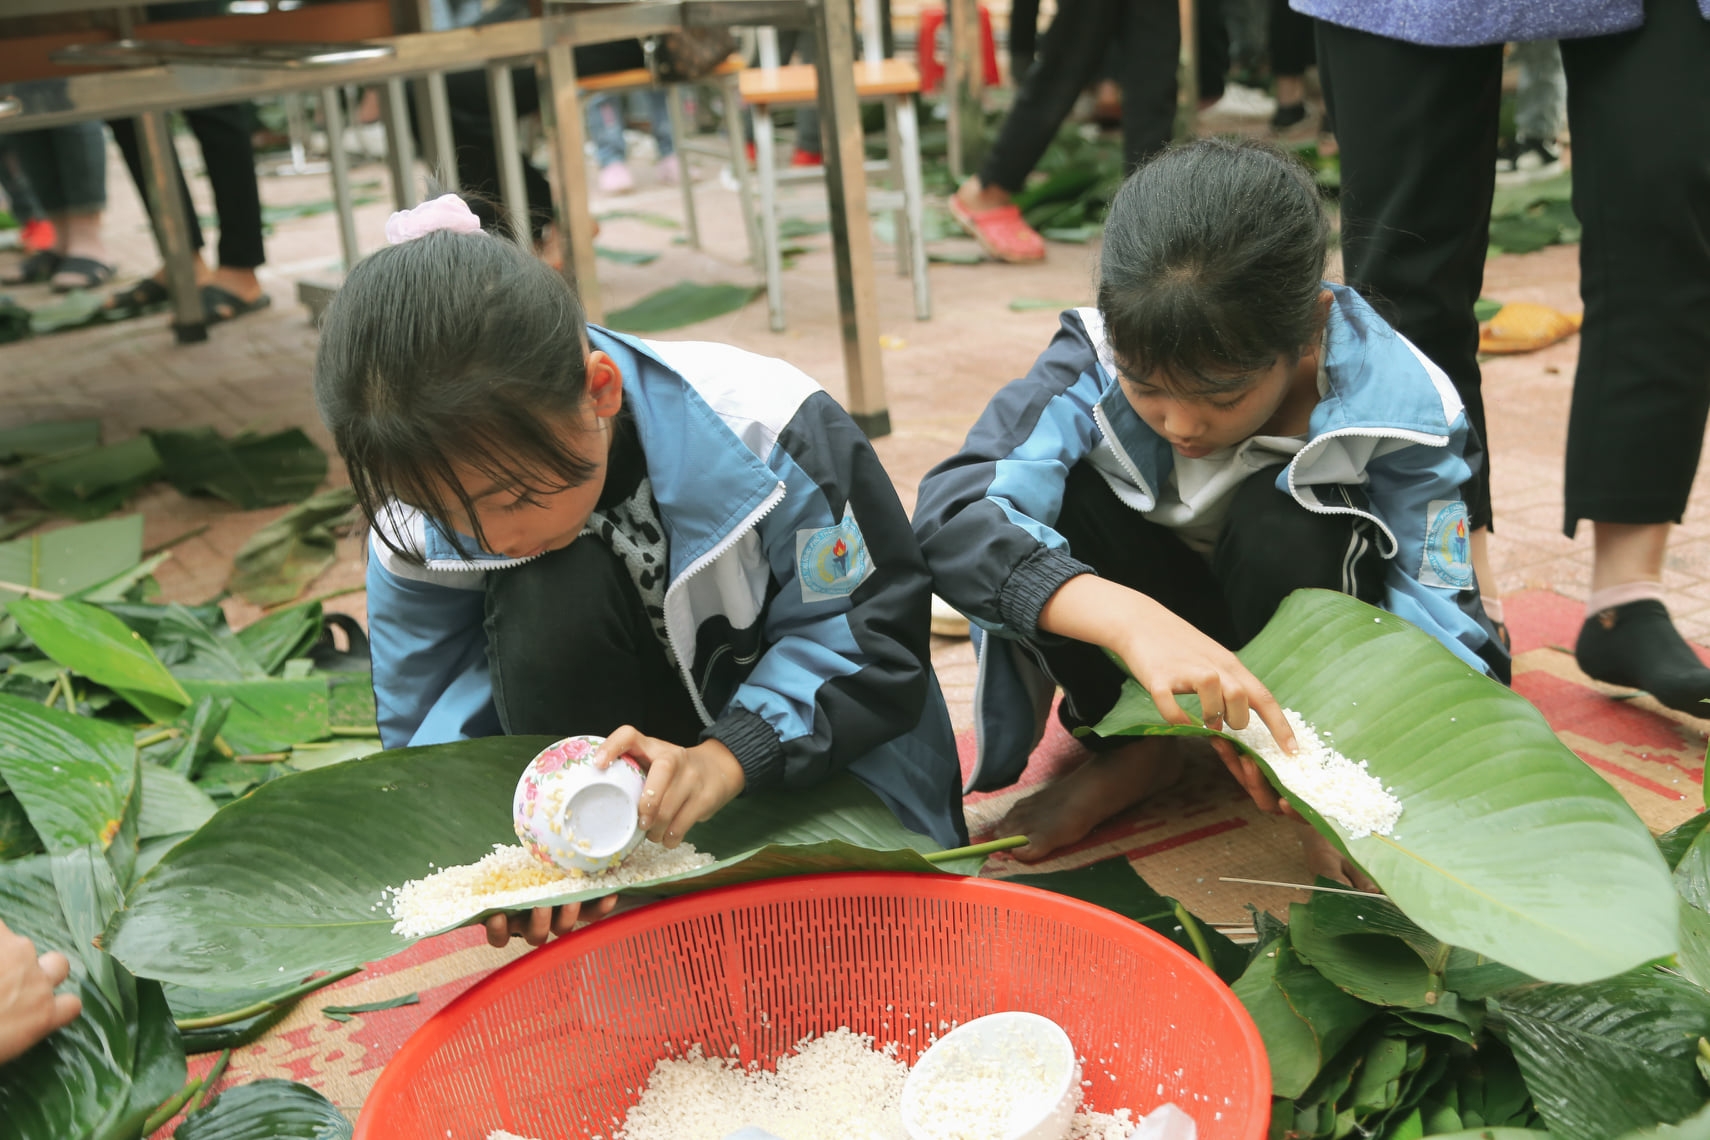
x=1291, y=36
x=1270, y=547
x=1417, y=127
x=228, y=153
x=472, y=128
x=572, y=651
x=1073, y=48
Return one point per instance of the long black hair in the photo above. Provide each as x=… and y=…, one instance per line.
x=452, y=349
x=1212, y=265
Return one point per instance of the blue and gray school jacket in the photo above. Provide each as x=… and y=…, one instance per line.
x=797, y=605
x=1389, y=441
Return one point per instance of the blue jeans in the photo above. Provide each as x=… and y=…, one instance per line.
x=66, y=167
x=606, y=118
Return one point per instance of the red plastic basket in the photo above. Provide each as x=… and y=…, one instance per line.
x=559, y=1043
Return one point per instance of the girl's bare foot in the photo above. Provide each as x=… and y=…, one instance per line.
x=1322, y=858
x=1067, y=808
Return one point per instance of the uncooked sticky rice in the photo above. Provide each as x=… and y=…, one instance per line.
x=511, y=879
x=1327, y=781
x=834, y=1087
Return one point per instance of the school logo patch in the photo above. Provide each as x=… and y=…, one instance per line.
x=1448, y=546
x=831, y=561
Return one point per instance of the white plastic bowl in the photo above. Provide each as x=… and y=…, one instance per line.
x=1016, y=1068
x=576, y=816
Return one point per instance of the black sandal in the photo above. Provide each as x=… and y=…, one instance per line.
x=36, y=268
x=223, y=305
x=140, y=300
x=94, y=273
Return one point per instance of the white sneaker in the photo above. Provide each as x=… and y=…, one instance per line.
x=1241, y=102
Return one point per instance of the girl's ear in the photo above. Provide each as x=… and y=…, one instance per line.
x=605, y=385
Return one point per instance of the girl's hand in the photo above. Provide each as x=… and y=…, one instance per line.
x=543, y=922
x=1166, y=654
x=29, y=1009
x=684, y=785
x=1252, y=779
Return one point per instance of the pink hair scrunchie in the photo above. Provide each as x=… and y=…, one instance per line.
x=446, y=212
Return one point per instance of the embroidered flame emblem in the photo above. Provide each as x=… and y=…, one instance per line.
x=841, y=549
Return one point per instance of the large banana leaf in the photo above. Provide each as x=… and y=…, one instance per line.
x=74, y=775
x=71, y=558
x=102, y=1075
x=271, y=714
x=249, y=471
x=288, y=880
x=269, y=1109
x=1611, y=1057
x=92, y=642
x=1508, y=844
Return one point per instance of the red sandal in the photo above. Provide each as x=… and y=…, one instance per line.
x=1000, y=231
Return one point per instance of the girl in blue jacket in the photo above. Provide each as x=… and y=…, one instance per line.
x=1224, y=428
x=687, y=548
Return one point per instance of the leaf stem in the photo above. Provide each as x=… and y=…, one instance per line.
x=53, y=692
x=223, y=748
x=169, y=1107
x=1196, y=936
x=986, y=848
x=261, y=757
x=160, y=737
x=326, y=597
x=32, y=592
x=215, y=1020
x=352, y=730
x=209, y=1081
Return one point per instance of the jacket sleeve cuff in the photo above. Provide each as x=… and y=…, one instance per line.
x=755, y=745
x=1031, y=584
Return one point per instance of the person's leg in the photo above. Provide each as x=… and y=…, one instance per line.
x=1292, y=51
x=79, y=154
x=1642, y=389
x=1213, y=32
x=1152, y=39
x=1540, y=105
x=1324, y=551
x=605, y=115
x=573, y=652
x=224, y=133
x=1125, y=548
x=1023, y=38
x=150, y=295
x=1417, y=131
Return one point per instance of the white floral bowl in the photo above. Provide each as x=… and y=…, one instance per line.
x=575, y=816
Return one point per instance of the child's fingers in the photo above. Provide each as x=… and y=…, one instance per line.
x=564, y=918
x=55, y=966
x=498, y=930
x=661, y=775
x=1211, y=707
x=671, y=822
x=624, y=741
x=1271, y=713
x=537, y=926
x=1172, y=712
x=1235, y=706
x=66, y=1007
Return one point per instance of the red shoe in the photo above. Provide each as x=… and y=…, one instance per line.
x=749, y=150
x=807, y=158
x=1001, y=231
x=39, y=235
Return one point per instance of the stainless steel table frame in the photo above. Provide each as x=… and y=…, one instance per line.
x=149, y=92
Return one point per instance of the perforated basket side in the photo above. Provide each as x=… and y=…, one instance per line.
x=560, y=1043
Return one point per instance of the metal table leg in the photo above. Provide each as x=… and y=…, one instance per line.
x=439, y=129
x=400, y=143
x=766, y=162
x=680, y=133
x=501, y=96
x=963, y=82
x=171, y=226
x=561, y=107
x=739, y=166
x=333, y=112
x=851, y=232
